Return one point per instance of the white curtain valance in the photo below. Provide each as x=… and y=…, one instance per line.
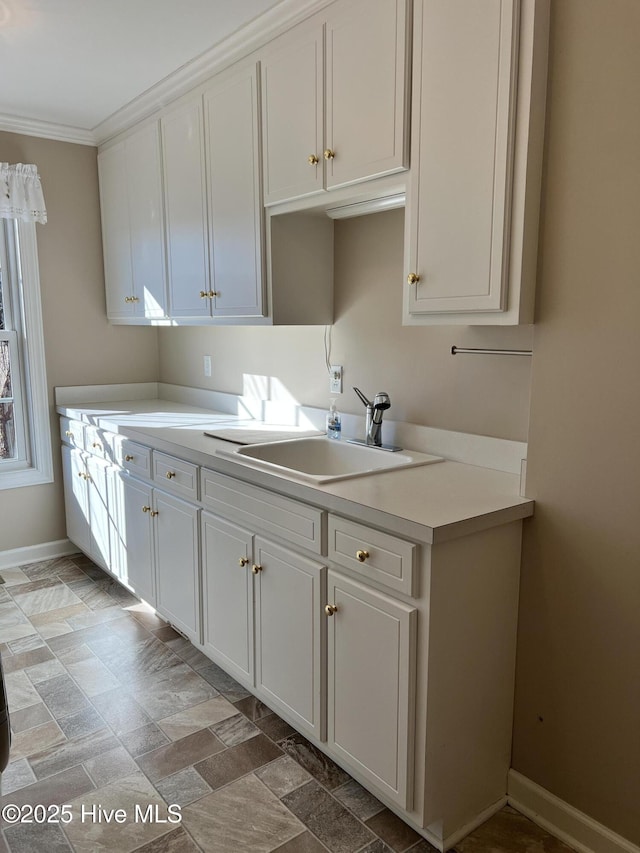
x=21, y=193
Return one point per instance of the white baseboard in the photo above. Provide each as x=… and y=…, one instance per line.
x=34, y=553
x=564, y=821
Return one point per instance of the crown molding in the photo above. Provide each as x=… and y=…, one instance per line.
x=241, y=43
x=46, y=130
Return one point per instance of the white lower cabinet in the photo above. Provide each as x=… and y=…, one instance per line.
x=371, y=685
x=262, y=619
x=86, y=503
x=162, y=553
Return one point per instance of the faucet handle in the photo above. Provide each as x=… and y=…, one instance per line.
x=363, y=399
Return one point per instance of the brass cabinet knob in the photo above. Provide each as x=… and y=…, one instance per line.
x=255, y=568
x=313, y=160
x=361, y=556
x=208, y=294
x=329, y=154
x=171, y=475
x=204, y=294
x=330, y=609
x=146, y=509
x=132, y=299
x=242, y=562
x=97, y=444
x=68, y=433
x=213, y=294
x=128, y=458
x=153, y=513
x=413, y=278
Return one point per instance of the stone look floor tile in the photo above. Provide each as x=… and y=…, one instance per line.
x=198, y=717
x=182, y=787
x=175, y=756
x=44, y=595
x=72, y=752
x=508, y=831
x=316, y=762
x=127, y=793
x=253, y=708
x=327, y=819
x=235, y=730
x=17, y=775
x=188, y=653
x=170, y=691
x=22, y=660
x=110, y=766
x=275, y=727
x=44, y=671
x=393, y=831
x=240, y=817
x=26, y=644
x=59, y=615
x=283, y=776
x=304, y=843
x=61, y=696
x=358, y=800
x=58, y=789
x=120, y=711
x=223, y=683
x=20, y=691
x=144, y=739
x=238, y=760
x=176, y=841
x=92, y=676
x=29, y=718
x=81, y=723
x=25, y=838
x=35, y=740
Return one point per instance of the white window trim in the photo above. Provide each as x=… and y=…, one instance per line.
x=39, y=469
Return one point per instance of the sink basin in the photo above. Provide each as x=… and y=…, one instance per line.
x=323, y=460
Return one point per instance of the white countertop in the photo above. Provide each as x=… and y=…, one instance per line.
x=431, y=504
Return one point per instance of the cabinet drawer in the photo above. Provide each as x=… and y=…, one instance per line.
x=72, y=432
x=372, y=554
x=254, y=507
x=95, y=441
x=175, y=475
x=135, y=458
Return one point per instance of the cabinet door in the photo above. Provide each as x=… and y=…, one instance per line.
x=463, y=113
x=138, y=539
x=228, y=595
x=177, y=563
x=76, y=498
x=99, y=512
x=370, y=692
x=186, y=210
x=235, y=197
x=116, y=240
x=144, y=180
x=367, y=81
x=289, y=634
x=292, y=114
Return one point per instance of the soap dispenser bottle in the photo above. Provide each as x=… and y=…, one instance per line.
x=334, y=422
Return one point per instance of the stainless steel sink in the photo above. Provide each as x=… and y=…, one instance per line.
x=323, y=460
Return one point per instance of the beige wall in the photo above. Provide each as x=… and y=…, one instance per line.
x=577, y=720
x=81, y=347
x=482, y=394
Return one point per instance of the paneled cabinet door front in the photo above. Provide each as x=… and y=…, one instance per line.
x=99, y=511
x=116, y=238
x=228, y=595
x=186, y=211
x=235, y=194
x=367, y=75
x=76, y=497
x=371, y=678
x=292, y=114
x=289, y=634
x=137, y=538
x=177, y=563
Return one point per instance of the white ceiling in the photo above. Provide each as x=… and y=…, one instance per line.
x=76, y=62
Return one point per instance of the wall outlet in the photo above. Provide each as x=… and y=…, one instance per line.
x=335, y=379
x=207, y=365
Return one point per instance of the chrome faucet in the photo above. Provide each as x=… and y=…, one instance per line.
x=375, y=411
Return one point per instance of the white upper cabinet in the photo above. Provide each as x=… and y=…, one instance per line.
x=334, y=92
x=132, y=225
x=186, y=210
x=478, y=111
x=366, y=82
x=292, y=114
x=234, y=194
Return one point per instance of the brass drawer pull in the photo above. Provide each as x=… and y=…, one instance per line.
x=330, y=609
x=146, y=509
x=242, y=562
x=171, y=475
x=256, y=569
x=128, y=458
x=361, y=556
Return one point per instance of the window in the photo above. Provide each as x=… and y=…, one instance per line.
x=25, y=439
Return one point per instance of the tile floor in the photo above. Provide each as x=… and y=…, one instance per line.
x=112, y=709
